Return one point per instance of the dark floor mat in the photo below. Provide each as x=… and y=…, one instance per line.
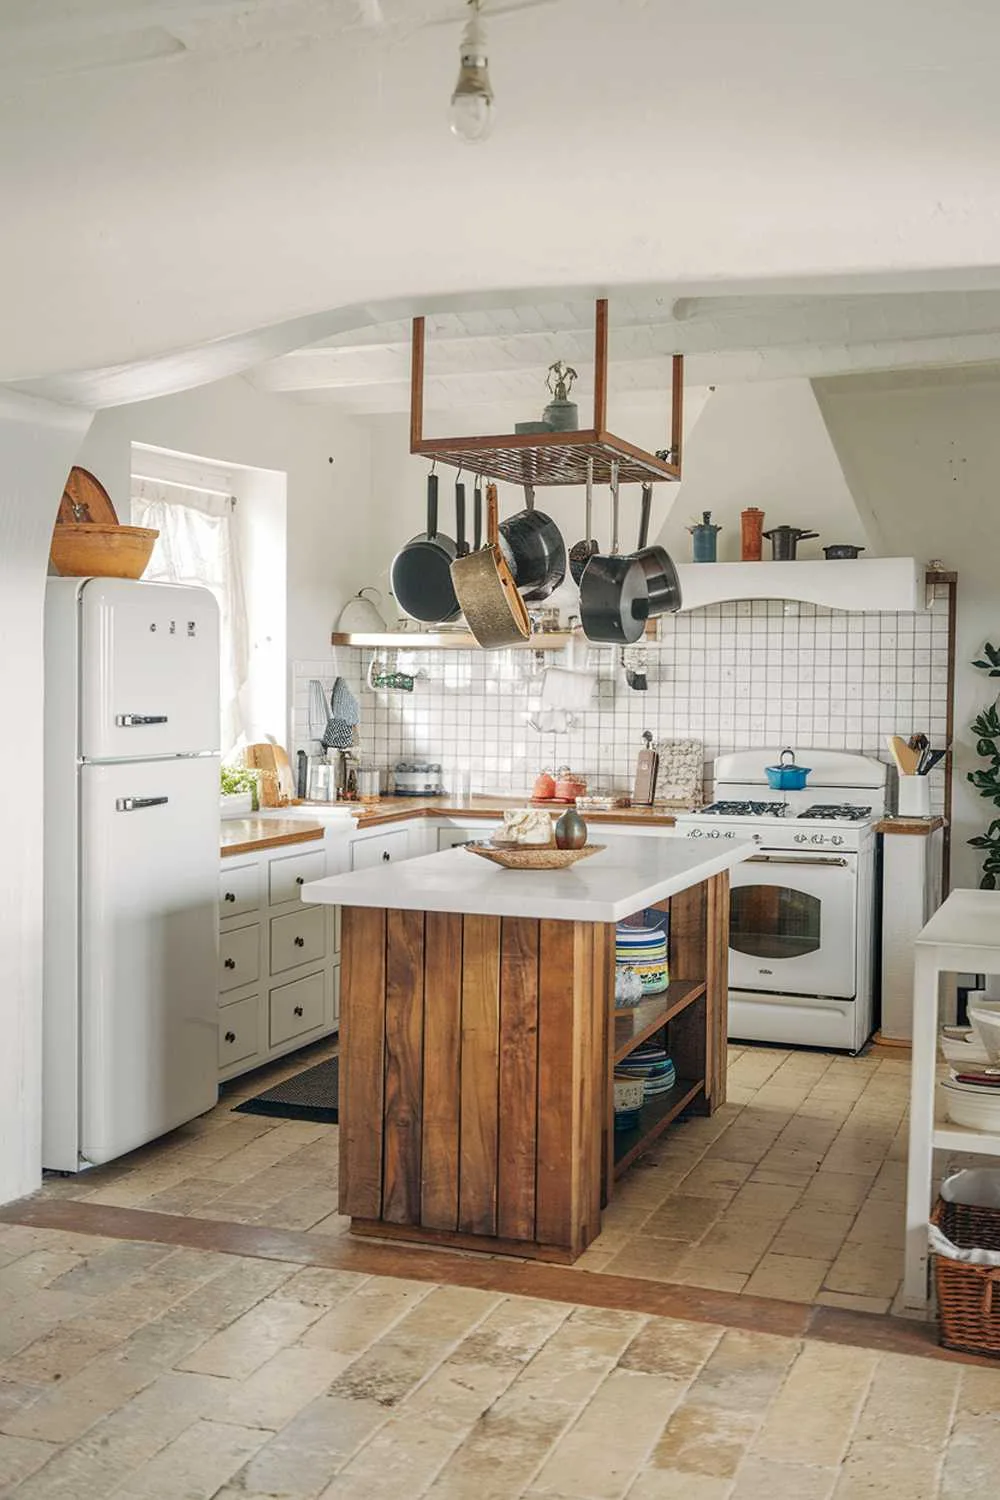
x=311, y=1095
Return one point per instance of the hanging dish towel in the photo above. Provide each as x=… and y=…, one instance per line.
x=569, y=690
x=319, y=714
x=341, y=728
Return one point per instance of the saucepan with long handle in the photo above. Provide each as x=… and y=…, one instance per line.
x=662, y=582
x=537, y=551
x=614, y=595
x=421, y=571
x=484, y=585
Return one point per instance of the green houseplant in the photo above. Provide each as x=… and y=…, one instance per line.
x=986, y=728
x=235, y=780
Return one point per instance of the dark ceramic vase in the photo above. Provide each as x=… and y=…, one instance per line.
x=571, y=830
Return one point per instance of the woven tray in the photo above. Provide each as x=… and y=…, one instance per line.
x=524, y=857
x=968, y=1296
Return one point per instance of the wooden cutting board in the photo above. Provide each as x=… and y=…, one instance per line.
x=261, y=758
x=85, y=501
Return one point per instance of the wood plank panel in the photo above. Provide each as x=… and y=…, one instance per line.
x=594, y=1016
x=556, y=1203
x=362, y=1044
x=477, y=1182
x=518, y=1116
x=717, y=993
x=404, y=1040
x=442, y=1069
x=688, y=932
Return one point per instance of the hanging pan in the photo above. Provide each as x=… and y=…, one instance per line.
x=581, y=552
x=614, y=595
x=662, y=582
x=487, y=594
x=421, y=571
x=537, y=550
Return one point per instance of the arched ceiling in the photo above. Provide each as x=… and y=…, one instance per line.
x=177, y=174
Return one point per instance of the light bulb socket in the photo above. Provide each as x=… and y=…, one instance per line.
x=473, y=81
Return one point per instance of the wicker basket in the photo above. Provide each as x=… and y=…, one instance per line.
x=968, y=1296
x=526, y=857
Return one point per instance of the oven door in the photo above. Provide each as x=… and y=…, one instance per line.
x=792, y=924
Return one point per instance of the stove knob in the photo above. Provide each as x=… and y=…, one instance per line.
x=801, y=838
x=837, y=839
x=714, y=833
x=818, y=838
x=695, y=833
x=730, y=834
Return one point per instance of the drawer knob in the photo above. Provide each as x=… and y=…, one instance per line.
x=230, y=1036
x=386, y=856
x=299, y=942
x=300, y=880
x=229, y=896
x=299, y=1011
x=230, y=963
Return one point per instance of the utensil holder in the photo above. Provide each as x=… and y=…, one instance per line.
x=914, y=797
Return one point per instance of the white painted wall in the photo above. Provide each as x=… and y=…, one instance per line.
x=38, y=444
x=924, y=453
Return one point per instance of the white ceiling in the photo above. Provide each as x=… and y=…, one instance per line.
x=191, y=175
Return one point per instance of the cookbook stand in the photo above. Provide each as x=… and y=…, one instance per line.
x=553, y=458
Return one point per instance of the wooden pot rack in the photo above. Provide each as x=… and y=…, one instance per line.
x=553, y=457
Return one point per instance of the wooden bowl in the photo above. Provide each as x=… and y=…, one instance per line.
x=528, y=857
x=92, y=551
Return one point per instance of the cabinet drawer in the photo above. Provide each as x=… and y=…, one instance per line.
x=289, y=874
x=239, y=889
x=366, y=853
x=451, y=838
x=297, y=1008
x=299, y=938
x=238, y=1025
x=239, y=956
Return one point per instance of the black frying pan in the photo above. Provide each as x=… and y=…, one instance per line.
x=614, y=595
x=421, y=571
x=662, y=583
x=537, y=550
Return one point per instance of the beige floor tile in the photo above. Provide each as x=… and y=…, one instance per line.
x=763, y=1479
x=300, y=1460
x=789, y=1277
x=873, y=1470
x=665, y=1346
x=400, y=1461
x=814, y=1414
x=715, y=1177
x=765, y=1200
x=279, y=1389
x=879, y=1222
x=682, y=1218
x=574, y=1361
x=703, y=1438
x=195, y=1464
x=504, y=1450
x=979, y=1392
x=57, y=1355
x=877, y=1305
x=910, y=1402
x=972, y=1460
x=360, y=1318
x=648, y=1257
x=253, y=1339
x=814, y=1233
x=744, y=1371
x=677, y=1484
x=869, y=1271
x=712, y=1280
x=21, y=1457
x=836, y=1192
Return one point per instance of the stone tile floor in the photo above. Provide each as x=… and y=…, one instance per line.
x=150, y=1372
x=794, y=1189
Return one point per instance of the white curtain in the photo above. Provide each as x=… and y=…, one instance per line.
x=198, y=545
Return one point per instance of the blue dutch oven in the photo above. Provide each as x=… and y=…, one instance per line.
x=787, y=776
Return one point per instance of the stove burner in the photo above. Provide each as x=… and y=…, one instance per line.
x=844, y=811
x=746, y=809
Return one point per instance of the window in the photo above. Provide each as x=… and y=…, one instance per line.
x=198, y=545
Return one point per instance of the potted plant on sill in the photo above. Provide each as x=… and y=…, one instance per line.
x=986, y=728
x=239, y=791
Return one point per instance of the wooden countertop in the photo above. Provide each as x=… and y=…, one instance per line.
x=248, y=835
x=916, y=827
x=401, y=809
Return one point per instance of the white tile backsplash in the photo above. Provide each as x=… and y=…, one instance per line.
x=732, y=675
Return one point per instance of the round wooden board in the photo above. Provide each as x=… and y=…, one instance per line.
x=85, y=501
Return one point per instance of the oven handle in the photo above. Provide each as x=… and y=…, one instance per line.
x=796, y=859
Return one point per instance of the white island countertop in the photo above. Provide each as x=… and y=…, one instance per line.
x=621, y=879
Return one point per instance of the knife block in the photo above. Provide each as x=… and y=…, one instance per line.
x=644, y=788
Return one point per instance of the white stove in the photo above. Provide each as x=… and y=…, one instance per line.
x=802, y=910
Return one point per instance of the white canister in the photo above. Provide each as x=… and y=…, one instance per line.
x=914, y=797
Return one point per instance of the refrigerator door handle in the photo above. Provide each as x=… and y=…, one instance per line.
x=133, y=804
x=133, y=721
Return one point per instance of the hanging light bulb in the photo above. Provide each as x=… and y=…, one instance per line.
x=471, y=113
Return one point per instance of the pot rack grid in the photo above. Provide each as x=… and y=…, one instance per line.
x=553, y=458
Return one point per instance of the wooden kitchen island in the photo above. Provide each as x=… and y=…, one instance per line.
x=478, y=1037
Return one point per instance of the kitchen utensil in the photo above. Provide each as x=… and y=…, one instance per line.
x=663, y=587
x=319, y=712
x=477, y=514
x=360, y=616
x=261, y=757
x=787, y=776
x=704, y=534
x=928, y=760
x=537, y=552
x=283, y=771
x=841, y=549
x=751, y=524
x=301, y=774
x=646, y=767
x=421, y=570
x=487, y=594
x=785, y=539
x=918, y=741
x=581, y=552
x=906, y=759
x=614, y=596
x=524, y=857
x=101, y=551
x=571, y=830
x=85, y=501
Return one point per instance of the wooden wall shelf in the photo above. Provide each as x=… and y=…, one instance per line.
x=554, y=458
x=460, y=640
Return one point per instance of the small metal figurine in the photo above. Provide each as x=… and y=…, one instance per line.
x=561, y=413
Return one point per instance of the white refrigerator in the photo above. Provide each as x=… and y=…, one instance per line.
x=131, y=774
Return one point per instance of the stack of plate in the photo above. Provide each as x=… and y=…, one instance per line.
x=644, y=949
x=652, y=1065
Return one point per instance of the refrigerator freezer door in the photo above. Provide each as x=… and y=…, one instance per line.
x=149, y=840
x=149, y=670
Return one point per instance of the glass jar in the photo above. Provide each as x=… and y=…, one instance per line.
x=369, y=780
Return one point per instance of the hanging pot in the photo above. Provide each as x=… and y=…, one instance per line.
x=662, y=583
x=537, y=550
x=581, y=552
x=421, y=571
x=494, y=610
x=785, y=539
x=841, y=549
x=614, y=596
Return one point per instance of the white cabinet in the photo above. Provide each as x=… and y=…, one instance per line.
x=370, y=850
x=279, y=958
x=450, y=838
